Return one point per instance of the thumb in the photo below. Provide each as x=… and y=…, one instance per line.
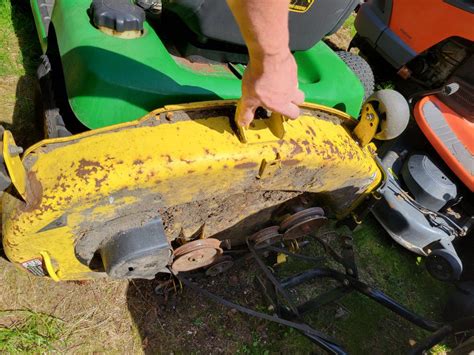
x=245, y=113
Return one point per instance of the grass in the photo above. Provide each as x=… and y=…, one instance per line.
x=28, y=331
x=256, y=347
x=398, y=273
x=17, y=53
x=349, y=25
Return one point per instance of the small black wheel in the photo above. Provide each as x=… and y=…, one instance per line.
x=362, y=69
x=444, y=265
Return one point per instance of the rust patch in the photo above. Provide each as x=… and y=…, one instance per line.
x=99, y=182
x=34, y=192
x=290, y=162
x=63, y=187
x=258, y=136
x=138, y=162
x=312, y=131
x=168, y=158
x=333, y=149
x=191, y=171
x=247, y=165
x=296, y=147
x=86, y=168
x=305, y=142
x=203, y=67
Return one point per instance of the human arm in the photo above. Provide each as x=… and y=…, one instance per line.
x=270, y=79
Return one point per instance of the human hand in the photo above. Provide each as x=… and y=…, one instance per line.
x=270, y=82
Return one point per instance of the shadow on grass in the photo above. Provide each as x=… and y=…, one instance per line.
x=26, y=123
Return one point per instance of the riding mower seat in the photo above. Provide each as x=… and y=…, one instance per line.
x=213, y=20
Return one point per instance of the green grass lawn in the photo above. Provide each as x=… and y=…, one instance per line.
x=27, y=331
x=18, y=43
x=38, y=316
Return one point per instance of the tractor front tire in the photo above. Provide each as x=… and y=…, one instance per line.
x=361, y=69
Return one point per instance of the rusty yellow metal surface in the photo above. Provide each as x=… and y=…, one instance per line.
x=100, y=181
x=367, y=127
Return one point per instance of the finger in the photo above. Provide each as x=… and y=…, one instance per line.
x=299, y=97
x=291, y=110
x=246, y=114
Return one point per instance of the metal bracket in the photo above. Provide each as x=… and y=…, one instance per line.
x=275, y=124
x=269, y=167
x=366, y=129
x=16, y=170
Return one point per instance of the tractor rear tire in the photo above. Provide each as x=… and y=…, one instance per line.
x=361, y=69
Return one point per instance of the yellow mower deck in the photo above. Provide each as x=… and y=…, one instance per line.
x=185, y=163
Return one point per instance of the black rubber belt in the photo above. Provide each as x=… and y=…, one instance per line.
x=299, y=326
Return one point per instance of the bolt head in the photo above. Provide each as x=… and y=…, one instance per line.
x=14, y=150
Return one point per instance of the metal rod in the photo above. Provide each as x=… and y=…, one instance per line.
x=366, y=290
x=324, y=341
x=308, y=275
x=394, y=306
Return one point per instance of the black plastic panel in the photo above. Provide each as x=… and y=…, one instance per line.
x=466, y=5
